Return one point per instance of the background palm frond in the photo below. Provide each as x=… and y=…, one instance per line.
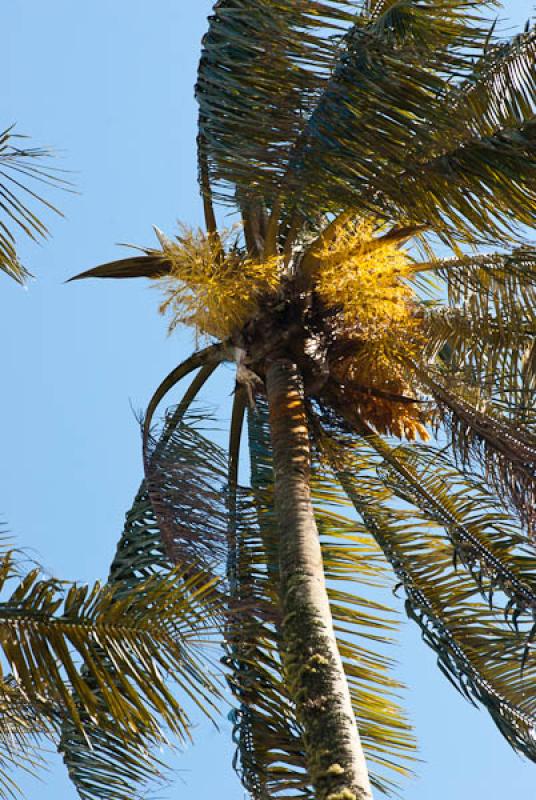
x=22, y=168
x=186, y=476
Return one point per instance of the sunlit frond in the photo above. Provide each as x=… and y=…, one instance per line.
x=22, y=170
x=363, y=627
x=485, y=658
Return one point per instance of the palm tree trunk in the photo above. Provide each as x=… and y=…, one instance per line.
x=317, y=682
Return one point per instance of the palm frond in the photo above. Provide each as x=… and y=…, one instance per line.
x=373, y=115
x=489, y=281
x=500, y=91
x=492, y=346
x=487, y=542
x=186, y=476
x=21, y=170
x=480, y=437
x=485, y=658
x=25, y=724
x=49, y=633
x=100, y=763
x=263, y=64
x=270, y=757
x=481, y=189
x=363, y=627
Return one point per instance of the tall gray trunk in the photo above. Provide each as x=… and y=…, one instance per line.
x=317, y=682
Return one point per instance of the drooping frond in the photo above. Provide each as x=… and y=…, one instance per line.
x=263, y=64
x=483, y=656
x=362, y=627
x=482, y=189
x=25, y=725
x=486, y=541
x=481, y=437
x=22, y=169
x=489, y=281
x=186, y=475
x=270, y=758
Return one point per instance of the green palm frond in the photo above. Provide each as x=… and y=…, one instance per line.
x=270, y=757
x=486, y=541
x=483, y=438
x=384, y=91
x=263, y=64
x=479, y=652
x=500, y=91
x=483, y=188
x=146, y=635
x=363, y=628
x=492, y=347
x=488, y=280
x=492, y=299
x=105, y=766
x=100, y=763
x=21, y=170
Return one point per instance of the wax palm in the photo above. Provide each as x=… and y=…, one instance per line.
x=350, y=137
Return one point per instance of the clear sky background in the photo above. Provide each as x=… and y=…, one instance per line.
x=110, y=86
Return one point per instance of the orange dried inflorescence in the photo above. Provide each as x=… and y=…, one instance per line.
x=368, y=282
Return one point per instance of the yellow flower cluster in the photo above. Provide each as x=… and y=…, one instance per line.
x=211, y=286
x=367, y=280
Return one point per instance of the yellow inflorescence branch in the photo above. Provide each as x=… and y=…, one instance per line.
x=368, y=281
x=212, y=286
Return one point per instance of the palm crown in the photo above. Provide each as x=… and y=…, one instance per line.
x=351, y=137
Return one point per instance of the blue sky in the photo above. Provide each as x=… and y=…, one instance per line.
x=110, y=86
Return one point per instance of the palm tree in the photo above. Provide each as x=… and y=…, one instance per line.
x=352, y=138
